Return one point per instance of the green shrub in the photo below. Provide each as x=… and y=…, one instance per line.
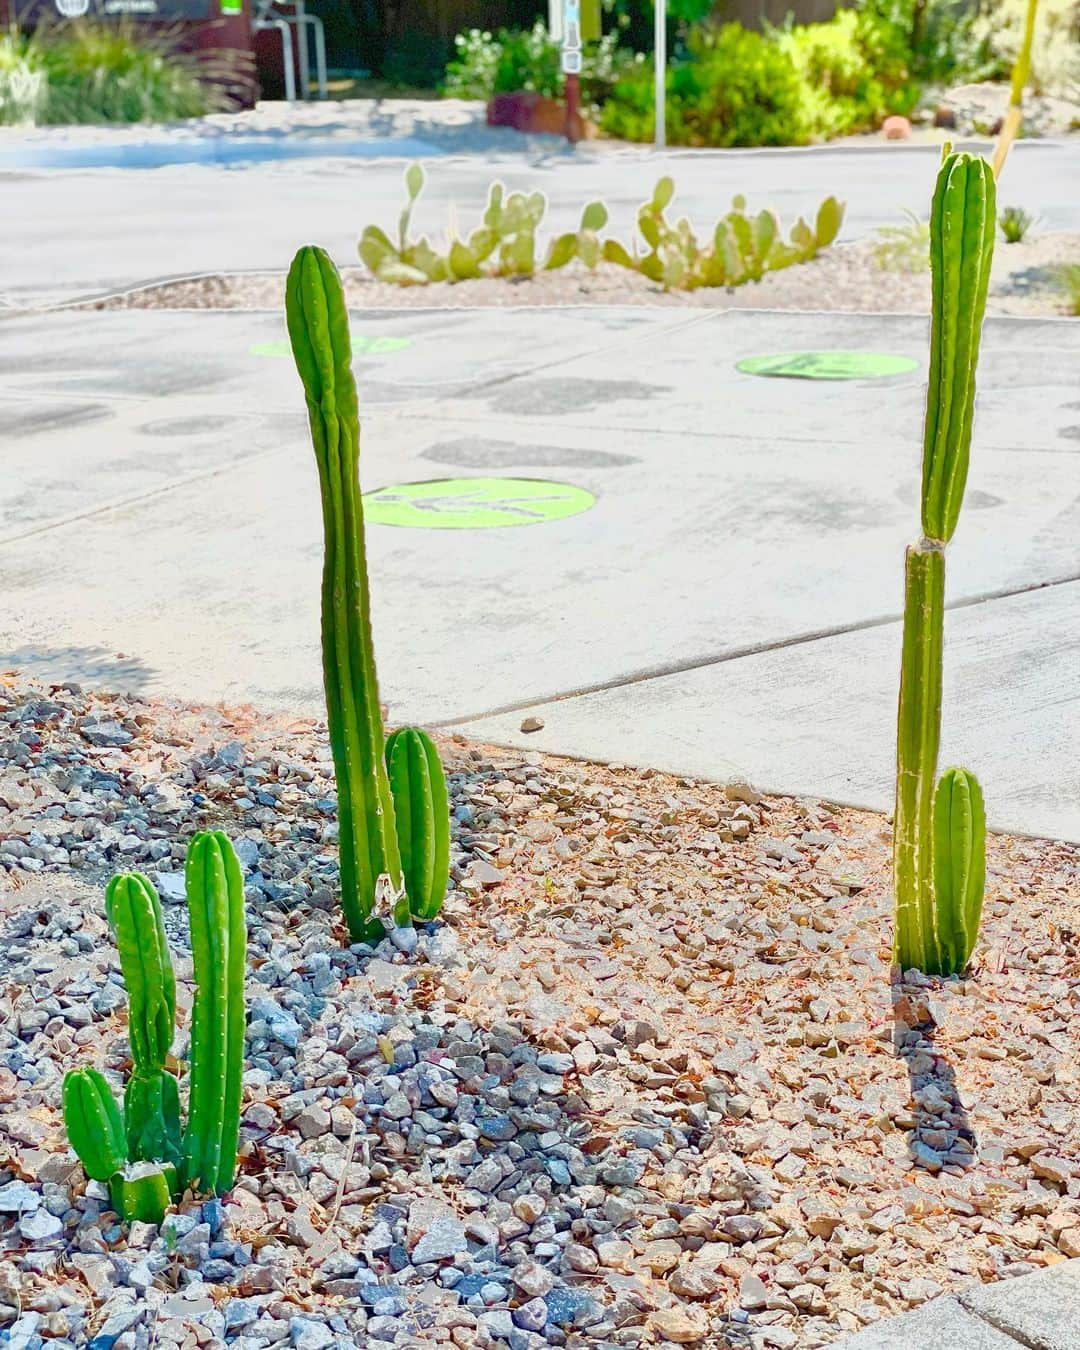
x=941, y=37
x=1067, y=277
x=855, y=71
x=734, y=87
x=1014, y=222
x=1055, y=50
x=22, y=81
x=514, y=59
x=102, y=72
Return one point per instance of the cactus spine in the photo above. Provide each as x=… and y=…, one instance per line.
x=939, y=835
x=94, y=1124
x=319, y=331
x=151, y=1101
x=215, y=892
x=422, y=813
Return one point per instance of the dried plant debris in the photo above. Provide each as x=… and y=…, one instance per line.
x=646, y=1081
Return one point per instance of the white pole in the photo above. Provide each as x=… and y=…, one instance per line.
x=660, y=66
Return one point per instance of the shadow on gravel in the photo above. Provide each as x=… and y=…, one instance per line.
x=93, y=666
x=940, y=1128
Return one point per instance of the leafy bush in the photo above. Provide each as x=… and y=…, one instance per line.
x=855, y=71
x=1014, y=222
x=110, y=72
x=904, y=248
x=1067, y=277
x=941, y=37
x=513, y=59
x=1055, y=50
x=735, y=87
x=101, y=72
x=22, y=81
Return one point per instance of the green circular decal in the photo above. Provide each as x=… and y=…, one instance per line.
x=361, y=346
x=474, y=503
x=829, y=365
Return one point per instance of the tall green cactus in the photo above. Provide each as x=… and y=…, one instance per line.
x=151, y=1101
x=215, y=892
x=422, y=812
x=939, y=834
x=319, y=331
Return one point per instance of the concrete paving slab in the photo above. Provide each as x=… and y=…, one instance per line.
x=940, y=1325
x=1041, y=1311
x=97, y=407
x=1028, y=393
x=722, y=580
x=820, y=717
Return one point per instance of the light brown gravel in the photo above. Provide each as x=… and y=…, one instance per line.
x=846, y=277
x=852, y=1145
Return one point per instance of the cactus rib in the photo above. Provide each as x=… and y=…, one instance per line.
x=319, y=331
x=422, y=812
x=215, y=888
x=95, y=1127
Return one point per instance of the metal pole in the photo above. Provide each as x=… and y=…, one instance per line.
x=660, y=67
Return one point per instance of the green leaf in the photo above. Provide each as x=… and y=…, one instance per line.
x=616, y=253
x=830, y=217
x=462, y=262
x=589, y=249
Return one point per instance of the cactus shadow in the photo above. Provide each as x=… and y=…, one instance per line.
x=940, y=1122
x=95, y=667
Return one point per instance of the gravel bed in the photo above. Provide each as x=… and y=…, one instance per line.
x=846, y=277
x=646, y=1082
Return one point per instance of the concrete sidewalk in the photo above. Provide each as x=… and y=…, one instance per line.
x=140, y=225
x=717, y=591
x=1035, y=1312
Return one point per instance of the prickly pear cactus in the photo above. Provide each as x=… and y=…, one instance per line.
x=215, y=891
x=422, y=812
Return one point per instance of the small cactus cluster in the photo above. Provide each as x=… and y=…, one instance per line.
x=394, y=821
x=503, y=244
x=141, y=1151
x=742, y=247
x=939, y=832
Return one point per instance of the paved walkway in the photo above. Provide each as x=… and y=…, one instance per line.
x=136, y=225
x=727, y=604
x=1036, y=1312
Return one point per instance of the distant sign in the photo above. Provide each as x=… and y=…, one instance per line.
x=36, y=11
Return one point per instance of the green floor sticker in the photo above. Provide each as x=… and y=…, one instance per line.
x=474, y=503
x=361, y=346
x=829, y=365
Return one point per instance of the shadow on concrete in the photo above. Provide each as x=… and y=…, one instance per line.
x=91, y=666
x=940, y=1119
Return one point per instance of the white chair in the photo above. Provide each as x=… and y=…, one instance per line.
x=266, y=16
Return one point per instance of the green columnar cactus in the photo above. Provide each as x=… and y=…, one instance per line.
x=94, y=1124
x=319, y=330
x=422, y=812
x=959, y=864
x=215, y=892
x=151, y=1101
x=939, y=834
